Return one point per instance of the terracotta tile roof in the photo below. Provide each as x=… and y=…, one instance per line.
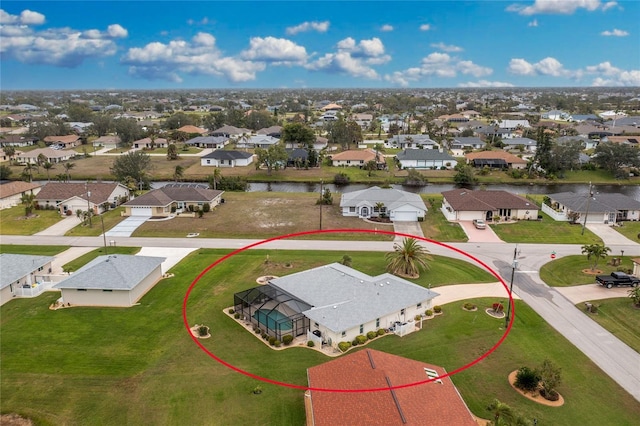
x=16, y=187
x=60, y=191
x=64, y=139
x=354, y=155
x=166, y=195
x=47, y=152
x=430, y=403
x=191, y=129
x=158, y=141
x=491, y=155
x=468, y=200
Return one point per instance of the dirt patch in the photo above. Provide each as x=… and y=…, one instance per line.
x=535, y=395
x=590, y=272
x=13, y=419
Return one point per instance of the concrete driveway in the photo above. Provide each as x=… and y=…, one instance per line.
x=173, y=255
x=127, y=226
x=410, y=228
x=476, y=235
x=62, y=227
x=609, y=236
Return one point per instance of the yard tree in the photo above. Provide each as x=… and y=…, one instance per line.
x=614, y=156
x=172, y=152
x=27, y=172
x=370, y=166
x=134, y=164
x=414, y=178
x=102, y=124
x=337, y=132
x=178, y=120
x=48, y=167
x=128, y=130
x=594, y=253
x=257, y=120
x=297, y=134
x=9, y=152
x=408, y=259
x=28, y=200
x=67, y=169
x=543, y=156
x=178, y=173
x=550, y=377
x=5, y=172
x=235, y=117
x=465, y=176
x=354, y=133
x=565, y=157
x=273, y=157
x=634, y=294
x=213, y=121
x=214, y=178
x=79, y=112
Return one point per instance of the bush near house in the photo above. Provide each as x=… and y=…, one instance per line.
x=344, y=346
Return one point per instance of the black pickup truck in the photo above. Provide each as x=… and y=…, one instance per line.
x=617, y=279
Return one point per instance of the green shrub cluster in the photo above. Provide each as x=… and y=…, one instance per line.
x=272, y=340
x=236, y=315
x=231, y=311
x=469, y=306
x=371, y=335
x=527, y=379
x=344, y=346
x=381, y=331
x=276, y=343
x=361, y=339
x=428, y=312
x=437, y=309
x=310, y=343
x=287, y=339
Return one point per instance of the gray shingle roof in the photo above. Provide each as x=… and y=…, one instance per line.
x=115, y=272
x=168, y=194
x=392, y=198
x=15, y=266
x=223, y=154
x=343, y=297
x=599, y=202
x=424, y=154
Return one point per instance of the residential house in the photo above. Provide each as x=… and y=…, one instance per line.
x=585, y=141
x=357, y=158
x=148, y=143
x=331, y=107
x=363, y=120
x=320, y=143
x=53, y=156
x=557, y=115
x=172, y=199
x=224, y=158
x=257, y=141
x=435, y=401
x=492, y=132
x=298, y=157
x=65, y=142
x=412, y=141
x=215, y=142
x=597, y=208
x=460, y=145
x=512, y=128
x=230, y=132
x=495, y=160
x=425, y=159
x=5, y=157
x=11, y=192
x=333, y=303
x=627, y=140
x=189, y=129
x=108, y=142
x=526, y=144
x=116, y=280
x=399, y=206
x=16, y=140
x=466, y=204
x=23, y=275
x=274, y=131
x=69, y=197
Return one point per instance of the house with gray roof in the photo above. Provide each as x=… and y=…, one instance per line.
x=425, y=159
x=23, y=275
x=333, y=303
x=257, y=141
x=115, y=280
x=227, y=158
x=526, y=144
x=215, y=142
x=463, y=204
x=462, y=144
x=597, y=208
x=172, y=199
x=230, y=131
x=397, y=205
x=412, y=142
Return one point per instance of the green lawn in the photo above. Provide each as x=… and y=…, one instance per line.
x=631, y=230
x=14, y=222
x=35, y=250
x=620, y=318
x=545, y=231
x=79, y=262
x=436, y=226
x=111, y=219
x=568, y=271
x=112, y=366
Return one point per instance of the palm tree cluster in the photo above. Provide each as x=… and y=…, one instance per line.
x=408, y=258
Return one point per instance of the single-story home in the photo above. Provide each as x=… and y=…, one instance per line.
x=53, y=156
x=190, y=129
x=435, y=403
x=597, y=208
x=215, y=142
x=21, y=271
x=275, y=131
x=115, y=280
x=528, y=145
x=399, y=206
x=107, y=141
x=224, y=158
x=466, y=204
x=16, y=140
x=171, y=199
x=147, y=143
x=495, y=160
x=11, y=192
x=357, y=158
x=69, y=197
x=425, y=159
x=67, y=141
x=334, y=303
x=412, y=141
x=230, y=131
x=297, y=157
x=460, y=145
x=257, y=141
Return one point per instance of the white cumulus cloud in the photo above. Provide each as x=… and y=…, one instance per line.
x=425, y=27
x=560, y=7
x=485, y=83
x=277, y=50
x=353, y=58
x=320, y=27
x=606, y=74
x=446, y=47
x=548, y=66
x=615, y=33
x=386, y=28
x=533, y=23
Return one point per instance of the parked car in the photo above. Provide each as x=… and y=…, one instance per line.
x=479, y=223
x=617, y=279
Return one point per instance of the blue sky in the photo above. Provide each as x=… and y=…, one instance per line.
x=318, y=44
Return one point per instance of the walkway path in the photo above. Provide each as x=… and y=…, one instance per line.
x=61, y=227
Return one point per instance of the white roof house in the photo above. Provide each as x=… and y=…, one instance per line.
x=115, y=280
x=18, y=270
x=400, y=206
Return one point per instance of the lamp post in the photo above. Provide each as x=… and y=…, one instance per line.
x=321, y=202
x=514, y=265
x=586, y=214
x=104, y=236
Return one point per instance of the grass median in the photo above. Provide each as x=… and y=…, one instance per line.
x=570, y=270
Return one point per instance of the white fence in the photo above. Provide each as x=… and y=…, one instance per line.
x=559, y=216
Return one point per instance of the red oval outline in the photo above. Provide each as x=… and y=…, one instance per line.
x=298, y=234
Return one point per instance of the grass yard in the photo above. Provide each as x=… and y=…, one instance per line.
x=620, y=318
x=567, y=271
x=137, y=365
x=545, y=231
x=14, y=222
x=111, y=219
x=79, y=262
x=631, y=230
x=34, y=250
x=436, y=226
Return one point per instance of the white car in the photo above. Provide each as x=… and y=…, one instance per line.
x=479, y=223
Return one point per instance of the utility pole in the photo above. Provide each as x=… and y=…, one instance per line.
x=321, y=201
x=584, y=222
x=514, y=265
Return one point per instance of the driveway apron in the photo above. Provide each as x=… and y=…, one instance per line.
x=127, y=226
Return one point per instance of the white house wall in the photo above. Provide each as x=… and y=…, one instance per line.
x=146, y=284
x=5, y=295
x=95, y=297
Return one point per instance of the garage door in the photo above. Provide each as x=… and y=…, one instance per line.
x=141, y=211
x=405, y=217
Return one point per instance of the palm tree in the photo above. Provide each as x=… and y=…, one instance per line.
x=380, y=208
x=48, y=167
x=502, y=413
x=27, y=173
x=28, y=199
x=595, y=251
x=178, y=173
x=634, y=294
x=408, y=259
x=215, y=178
x=67, y=167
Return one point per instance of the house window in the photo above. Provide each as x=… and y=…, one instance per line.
x=106, y=290
x=208, y=161
x=361, y=328
x=81, y=289
x=352, y=209
x=401, y=311
x=344, y=333
x=377, y=322
x=419, y=305
x=316, y=325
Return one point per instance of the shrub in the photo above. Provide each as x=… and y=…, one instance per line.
x=550, y=395
x=203, y=330
x=341, y=179
x=497, y=307
x=236, y=315
x=469, y=306
x=371, y=335
x=344, y=346
x=257, y=330
x=231, y=311
x=417, y=318
x=310, y=343
x=264, y=335
x=361, y=339
x=527, y=379
x=272, y=340
x=277, y=343
x=354, y=343
x=428, y=312
x=206, y=207
x=381, y=332
x=287, y=339
x=437, y=309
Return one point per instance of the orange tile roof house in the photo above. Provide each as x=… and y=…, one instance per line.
x=466, y=204
x=495, y=159
x=192, y=129
x=72, y=196
x=357, y=158
x=435, y=403
x=147, y=143
x=68, y=141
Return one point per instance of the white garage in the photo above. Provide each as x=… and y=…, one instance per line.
x=141, y=211
x=397, y=205
x=404, y=216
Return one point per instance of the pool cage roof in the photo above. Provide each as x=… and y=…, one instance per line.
x=260, y=296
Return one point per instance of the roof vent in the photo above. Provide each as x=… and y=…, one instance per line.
x=335, y=306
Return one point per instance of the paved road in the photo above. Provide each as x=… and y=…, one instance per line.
x=614, y=357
